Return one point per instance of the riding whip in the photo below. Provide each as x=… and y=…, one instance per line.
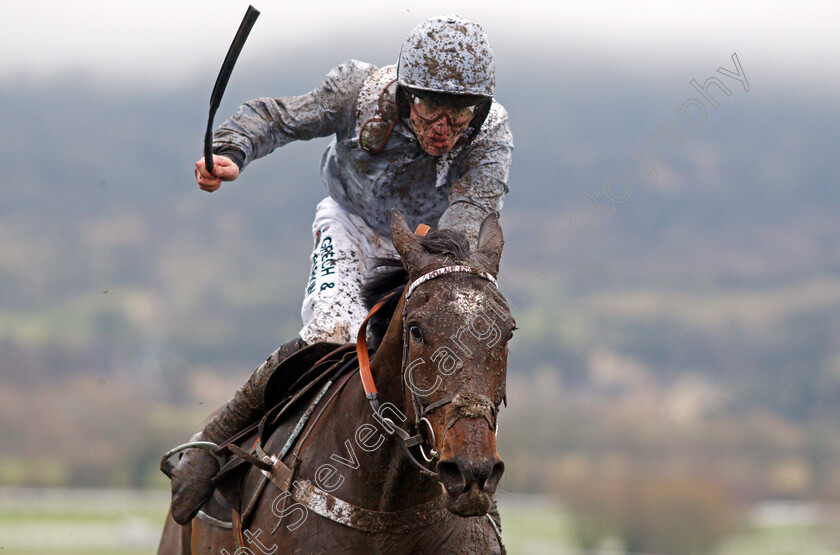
x=222, y=80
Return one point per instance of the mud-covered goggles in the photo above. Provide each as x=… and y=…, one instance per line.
x=430, y=112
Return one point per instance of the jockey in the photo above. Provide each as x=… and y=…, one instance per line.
x=424, y=136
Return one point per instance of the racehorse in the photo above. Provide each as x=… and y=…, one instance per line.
x=403, y=459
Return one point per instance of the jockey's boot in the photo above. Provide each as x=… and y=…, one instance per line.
x=191, y=479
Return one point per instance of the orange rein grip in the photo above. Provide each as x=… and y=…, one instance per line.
x=362, y=351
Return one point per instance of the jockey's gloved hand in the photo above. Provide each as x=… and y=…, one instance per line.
x=192, y=482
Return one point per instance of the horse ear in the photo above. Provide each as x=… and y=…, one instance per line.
x=406, y=242
x=491, y=241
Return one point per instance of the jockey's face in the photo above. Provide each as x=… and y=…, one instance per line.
x=438, y=128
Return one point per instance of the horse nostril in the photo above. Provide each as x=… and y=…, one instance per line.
x=495, y=475
x=451, y=477
x=486, y=474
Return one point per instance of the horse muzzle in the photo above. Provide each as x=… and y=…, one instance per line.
x=469, y=468
x=469, y=484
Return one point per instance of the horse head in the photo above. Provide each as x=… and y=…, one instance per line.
x=455, y=331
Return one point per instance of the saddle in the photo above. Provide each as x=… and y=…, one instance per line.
x=293, y=373
x=290, y=392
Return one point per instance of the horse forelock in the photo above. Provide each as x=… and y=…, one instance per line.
x=388, y=275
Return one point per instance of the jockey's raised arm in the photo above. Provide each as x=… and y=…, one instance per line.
x=467, y=181
x=264, y=124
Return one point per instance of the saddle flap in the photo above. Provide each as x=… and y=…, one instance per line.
x=286, y=377
x=330, y=366
x=293, y=387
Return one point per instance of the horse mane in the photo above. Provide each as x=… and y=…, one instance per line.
x=389, y=276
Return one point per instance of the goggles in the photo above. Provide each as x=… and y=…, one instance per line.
x=430, y=112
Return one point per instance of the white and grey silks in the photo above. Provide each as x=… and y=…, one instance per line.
x=456, y=190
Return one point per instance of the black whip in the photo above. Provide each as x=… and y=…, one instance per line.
x=222, y=80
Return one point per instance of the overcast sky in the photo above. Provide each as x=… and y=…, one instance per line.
x=164, y=43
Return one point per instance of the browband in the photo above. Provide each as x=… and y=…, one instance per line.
x=448, y=270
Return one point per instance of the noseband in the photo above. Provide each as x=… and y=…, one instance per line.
x=467, y=404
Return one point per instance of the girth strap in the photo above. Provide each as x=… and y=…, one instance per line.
x=328, y=506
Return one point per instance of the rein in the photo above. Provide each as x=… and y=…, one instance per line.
x=472, y=402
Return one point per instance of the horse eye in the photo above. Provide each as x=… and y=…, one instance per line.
x=414, y=330
x=510, y=335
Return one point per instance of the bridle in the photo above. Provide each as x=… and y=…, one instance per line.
x=472, y=404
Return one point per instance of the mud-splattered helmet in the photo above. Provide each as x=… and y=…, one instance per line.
x=448, y=54
x=449, y=59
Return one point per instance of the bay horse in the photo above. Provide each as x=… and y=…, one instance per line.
x=404, y=459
